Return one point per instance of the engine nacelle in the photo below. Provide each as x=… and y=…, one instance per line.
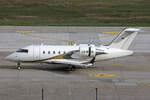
x=87, y=50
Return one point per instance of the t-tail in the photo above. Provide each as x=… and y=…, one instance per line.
x=124, y=39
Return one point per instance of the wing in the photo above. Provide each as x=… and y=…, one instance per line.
x=73, y=62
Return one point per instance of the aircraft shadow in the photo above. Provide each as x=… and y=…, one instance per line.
x=63, y=69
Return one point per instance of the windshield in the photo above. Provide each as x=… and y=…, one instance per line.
x=22, y=50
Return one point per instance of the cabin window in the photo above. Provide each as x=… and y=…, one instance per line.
x=53, y=52
x=64, y=52
x=48, y=52
x=59, y=52
x=22, y=50
x=43, y=52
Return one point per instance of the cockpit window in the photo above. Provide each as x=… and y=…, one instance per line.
x=22, y=50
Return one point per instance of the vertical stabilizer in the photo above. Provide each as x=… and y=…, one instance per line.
x=124, y=38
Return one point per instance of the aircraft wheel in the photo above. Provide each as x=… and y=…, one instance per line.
x=72, y=68
x=18, y=65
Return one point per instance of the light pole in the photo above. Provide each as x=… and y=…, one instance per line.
x=96, y=93
x=42, y=94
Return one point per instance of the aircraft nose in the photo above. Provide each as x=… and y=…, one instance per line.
x=10, y=57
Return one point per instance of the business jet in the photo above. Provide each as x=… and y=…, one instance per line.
x=82, y=55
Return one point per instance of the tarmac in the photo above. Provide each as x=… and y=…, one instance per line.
x=125, y=78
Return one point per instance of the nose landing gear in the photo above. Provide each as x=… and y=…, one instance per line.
x=19, y=65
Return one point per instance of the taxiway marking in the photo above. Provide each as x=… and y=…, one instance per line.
x=102, y=75
x=111, y=32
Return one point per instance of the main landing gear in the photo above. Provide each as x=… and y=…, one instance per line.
x=71, y=68
x=19, y=65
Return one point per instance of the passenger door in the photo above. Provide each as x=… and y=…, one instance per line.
x=36, y=52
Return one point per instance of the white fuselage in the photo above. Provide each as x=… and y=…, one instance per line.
x=38, y=53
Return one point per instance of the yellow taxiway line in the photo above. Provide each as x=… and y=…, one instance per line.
x=111, y=32
x=41, y=37
x=24, y=32
x=144, y=83
x=102, y=75
x=70, y=42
